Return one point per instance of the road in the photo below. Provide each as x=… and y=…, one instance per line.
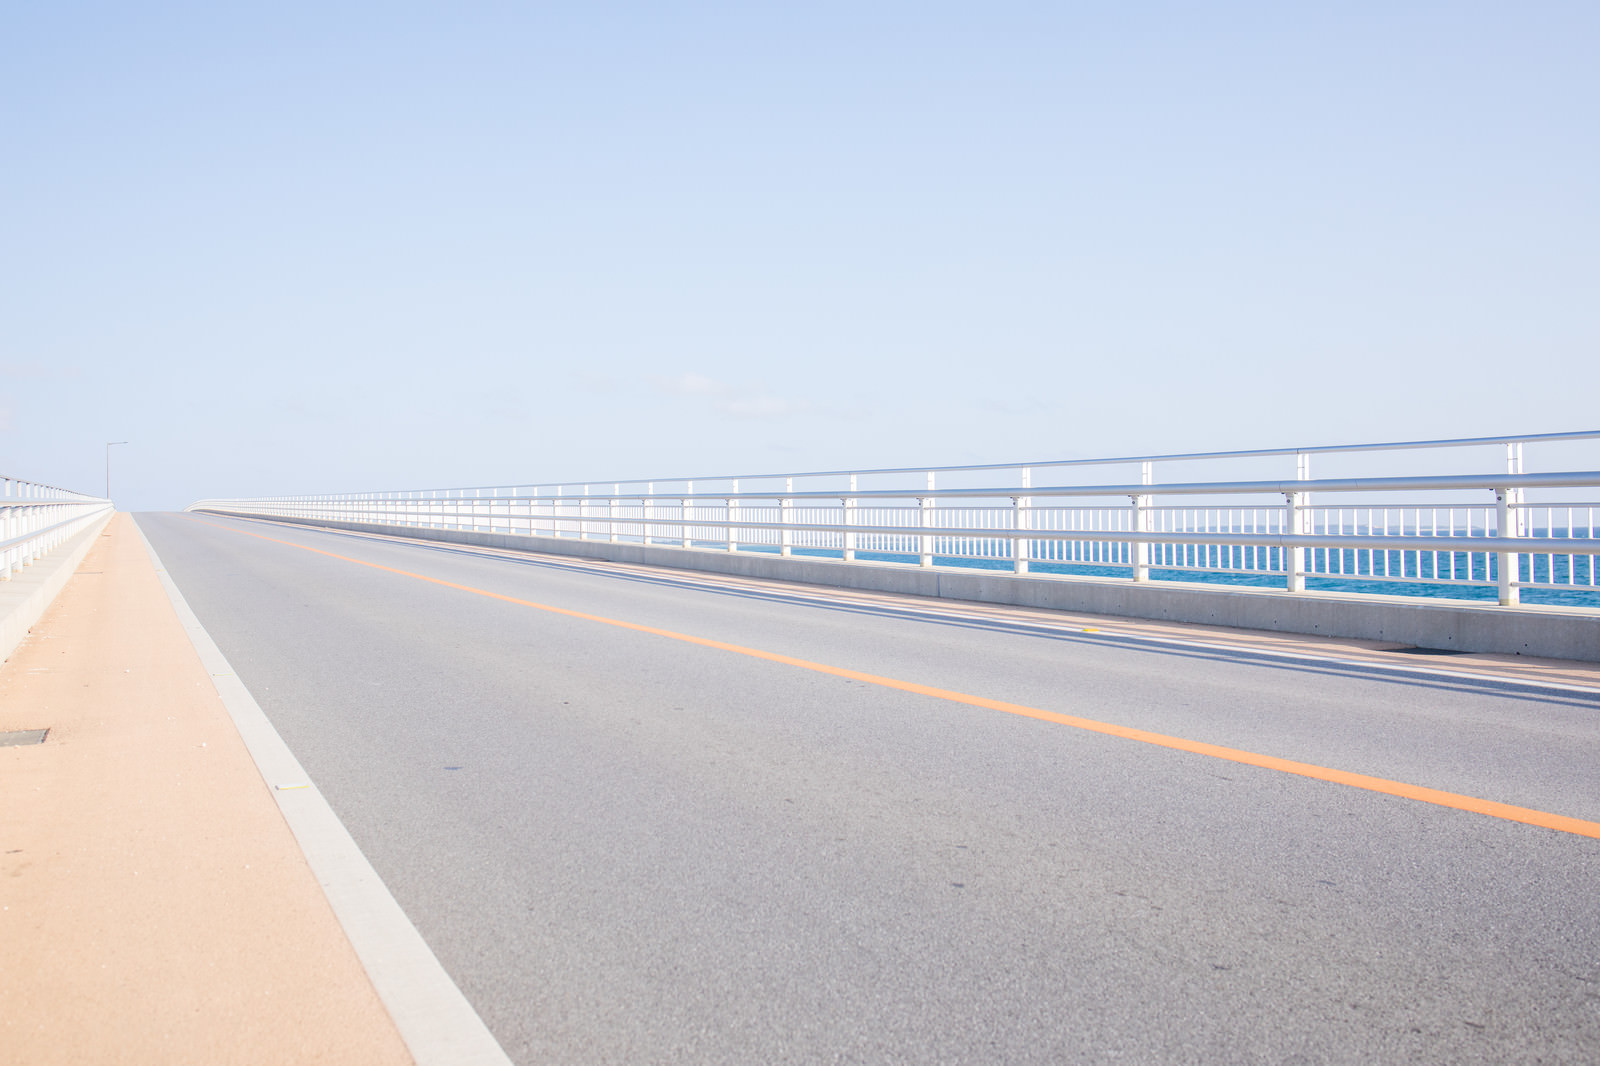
x=695, y=821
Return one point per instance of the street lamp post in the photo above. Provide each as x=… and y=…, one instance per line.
x=109, y=443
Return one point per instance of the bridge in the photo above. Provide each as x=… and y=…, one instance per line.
x=912, y=765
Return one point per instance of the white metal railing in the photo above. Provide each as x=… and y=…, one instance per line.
x=1500, y=526
x=34, y=518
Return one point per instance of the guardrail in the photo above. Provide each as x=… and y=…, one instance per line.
x=34, y=518
x=1428, y=535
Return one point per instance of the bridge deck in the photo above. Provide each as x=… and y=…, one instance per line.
x=655, y=816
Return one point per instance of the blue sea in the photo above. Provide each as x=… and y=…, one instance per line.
x=1484, y=592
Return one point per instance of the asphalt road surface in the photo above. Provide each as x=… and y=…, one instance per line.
x=631, y=847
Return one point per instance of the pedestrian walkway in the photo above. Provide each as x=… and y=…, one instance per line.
x=154, y=906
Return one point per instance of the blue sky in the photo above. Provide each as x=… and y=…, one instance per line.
x=297, y=248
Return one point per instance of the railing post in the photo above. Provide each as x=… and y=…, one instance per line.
x=1507, y=520
x=733, y=535
x=1021, y=519
x=1019, y=544
x=924, y=520
x=685, y=512
x=1297, y=507
x=1138, y=550
x=613, y=507
x=850, y=520
x=647, y=508
x=785, y=516
x=1515, y=496
x=1294, y=556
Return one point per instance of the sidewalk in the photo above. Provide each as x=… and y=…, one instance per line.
x=154, y=907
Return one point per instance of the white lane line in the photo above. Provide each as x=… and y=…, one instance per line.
x=439, y=1026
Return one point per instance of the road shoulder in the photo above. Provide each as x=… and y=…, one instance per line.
x=157, y=907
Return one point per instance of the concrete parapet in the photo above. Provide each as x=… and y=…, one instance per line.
x=1450, y=625
x=30, y=591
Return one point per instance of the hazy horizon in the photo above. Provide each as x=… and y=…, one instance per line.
x=292, y=248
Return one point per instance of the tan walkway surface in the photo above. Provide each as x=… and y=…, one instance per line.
x=154, y=907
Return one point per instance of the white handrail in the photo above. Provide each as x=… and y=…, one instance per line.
x=1253, y=529
x=1560, y=479
x=34, y=518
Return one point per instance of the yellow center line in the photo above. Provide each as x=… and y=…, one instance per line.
x=1421, y=794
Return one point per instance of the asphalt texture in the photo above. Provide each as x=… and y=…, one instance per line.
x=628, y=848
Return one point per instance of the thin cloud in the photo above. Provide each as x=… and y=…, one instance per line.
x=737, y=401
x=760, y=406
x=693, y=385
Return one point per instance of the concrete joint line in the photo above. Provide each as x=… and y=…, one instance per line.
x=439, y=1026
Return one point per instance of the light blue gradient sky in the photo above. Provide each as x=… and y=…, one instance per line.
x=297, y=247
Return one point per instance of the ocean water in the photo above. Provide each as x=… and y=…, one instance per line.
x=1483, y=590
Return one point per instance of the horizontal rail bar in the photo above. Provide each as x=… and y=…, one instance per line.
x=1360, y=541
x=1441, y=483
x=43, y=531
x=38, y=492
x=37, y=504
x=1168, y=457
x=1042, y=464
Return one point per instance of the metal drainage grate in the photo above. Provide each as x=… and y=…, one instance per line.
x=22, y=736
x=1427, y=651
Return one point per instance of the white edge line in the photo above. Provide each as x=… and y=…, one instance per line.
x=439, y=1026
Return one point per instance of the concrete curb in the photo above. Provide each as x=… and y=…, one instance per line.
x=1544, y=632
x=31, y=590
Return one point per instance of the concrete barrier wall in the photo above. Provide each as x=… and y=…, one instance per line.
x=30, y=591
x=1545, y=632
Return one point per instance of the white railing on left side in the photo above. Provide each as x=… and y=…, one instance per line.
x=34, y=518
x=1493, y=524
